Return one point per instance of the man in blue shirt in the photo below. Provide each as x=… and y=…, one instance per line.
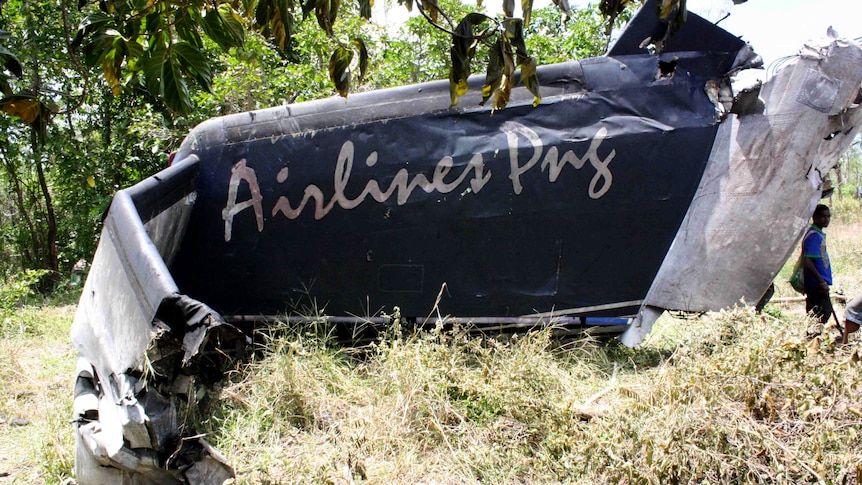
x=818, y=270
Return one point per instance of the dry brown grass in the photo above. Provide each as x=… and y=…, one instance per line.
x=732, y=397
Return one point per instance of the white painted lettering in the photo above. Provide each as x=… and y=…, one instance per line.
x=554, y=164
x=402, y=185
x=446, y=177
x=241, y=172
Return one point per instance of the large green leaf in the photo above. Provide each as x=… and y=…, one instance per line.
x=282, y=23
x=11, y=62
x=192, y=60
x=134, y=50
x=174, y=89
x=339, y=69
x=186, y=22
x=153, y=67
x=363, y=57
x=461, y=54
x=92, y=23
x=99, y=46
x=224, y=27
x=233, y=22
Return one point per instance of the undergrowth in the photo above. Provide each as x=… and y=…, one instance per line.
x=734, y=397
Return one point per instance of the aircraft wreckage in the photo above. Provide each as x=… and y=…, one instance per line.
x=641, y=183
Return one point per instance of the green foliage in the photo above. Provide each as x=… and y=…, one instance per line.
x=10, y=64
x=135, y=44
x=417, y=52
x=553, y=41
x=98, y=117
x=18, y=287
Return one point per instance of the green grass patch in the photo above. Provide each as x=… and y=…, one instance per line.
x=37, y=364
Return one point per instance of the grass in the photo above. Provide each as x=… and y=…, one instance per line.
x=729, y=397
x=37, y=364
x=735, y=397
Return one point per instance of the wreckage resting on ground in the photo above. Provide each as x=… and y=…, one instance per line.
x=641, y=183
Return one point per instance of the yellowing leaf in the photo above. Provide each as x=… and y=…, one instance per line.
x=111, y=69
x=27, y=109
x=91, y=181
x=339, y=70
x=667, y=6
x=527, y=11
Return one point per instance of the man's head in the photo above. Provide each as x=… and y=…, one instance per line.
x=821, y=216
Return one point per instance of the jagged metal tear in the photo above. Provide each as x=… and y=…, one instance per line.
x=141, y=346
x=761, y=185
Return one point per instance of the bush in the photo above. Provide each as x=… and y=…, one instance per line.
x=19, y=286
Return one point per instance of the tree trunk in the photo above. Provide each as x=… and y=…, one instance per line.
x=53, y=255
x=37, y=141
x=35, y=243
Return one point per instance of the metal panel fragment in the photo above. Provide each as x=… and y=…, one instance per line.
x=763, y=180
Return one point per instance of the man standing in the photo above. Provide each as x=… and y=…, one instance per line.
x=818, y=270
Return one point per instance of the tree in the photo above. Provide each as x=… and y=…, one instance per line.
x=50, y=160
x=162, y=47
